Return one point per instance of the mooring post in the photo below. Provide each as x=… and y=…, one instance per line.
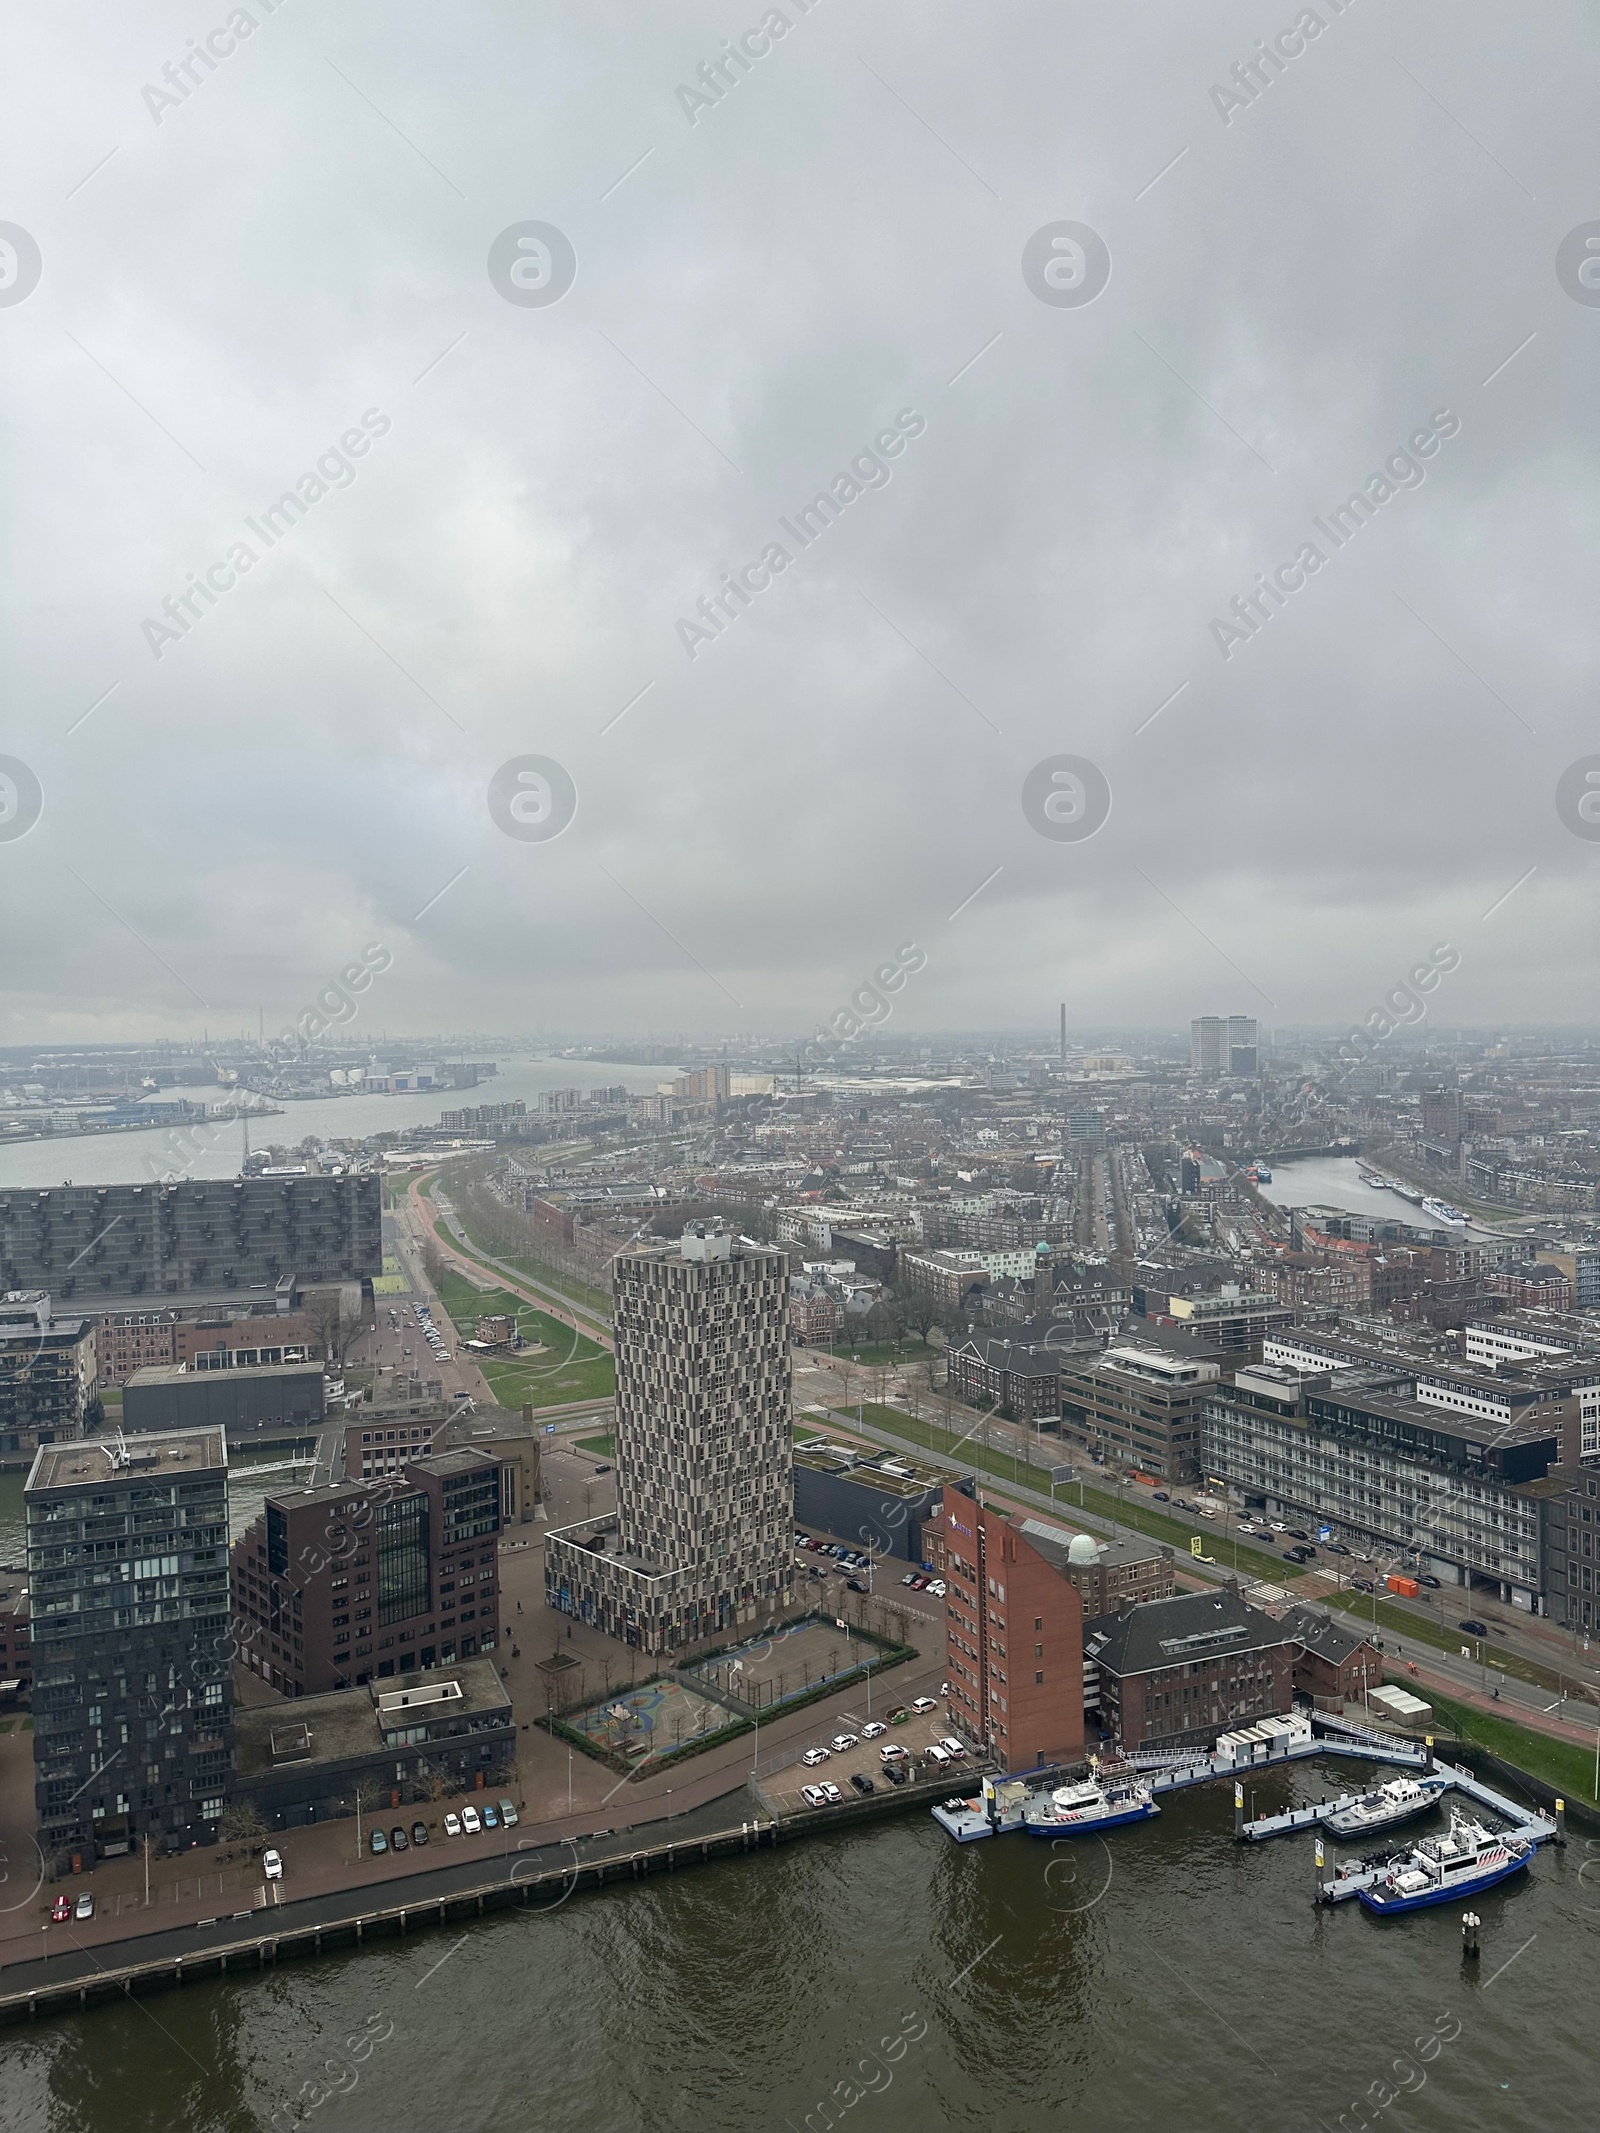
x=1238, y=1810
x=1321, y=1858
x=1470, y=1922
x=1561, y=1821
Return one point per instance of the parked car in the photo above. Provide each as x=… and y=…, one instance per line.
x=938, y=1587
x=813, y=1795
x=923, y=1703
x=814, y=1756
x=1336, y=1547
x=398, y=1840
x=1361, y=1585
x=419, y=1834
x=814, y=1572
x=61, y=1910
x=272, y=1865
x=872, y=1728
x=380, y=1843
x=470, y=1821
x=939, y=1755
x=1425, y=1578
x=910, y=1578
x=843, y=1742
x=491, y=1820
x=897, y=1773
x=831, y=1793
x=918, y=1583
x=1160, y=1496
x=1296, y=1533
x=602, y=1470
x=452, y=1825
x=854, y=1585
x=862, y=1782
x=1474, y=1628
x=899, y=1716
x=84, y=1908
x=1293, y=1555
x=894, y=1753
x=508, y=1813
x=952, y=1746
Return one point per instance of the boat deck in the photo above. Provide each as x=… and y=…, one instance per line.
x=1309, y=1817
x=1167, y=1772
x=1525, y=1821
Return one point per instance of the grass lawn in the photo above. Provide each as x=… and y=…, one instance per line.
x=596, y=1301
x=1570, y=1769
x=571, y=1368
x=602, y=1447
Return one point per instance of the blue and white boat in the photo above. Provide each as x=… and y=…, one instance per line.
x=1087, y=1808
x=1442, y=1211
x=1469, y=1859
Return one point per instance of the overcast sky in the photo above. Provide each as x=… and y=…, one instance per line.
x=235, y=269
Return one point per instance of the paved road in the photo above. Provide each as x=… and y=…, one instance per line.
x=521, y=1856
x=1529, y=1704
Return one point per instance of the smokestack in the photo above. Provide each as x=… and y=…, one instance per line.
x=1063, y=1033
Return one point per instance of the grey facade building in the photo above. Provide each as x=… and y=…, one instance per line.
x=133, y=1688
x=233, y=1240
x=701, y=1541
x=259, y=1404
x=878, y=1504
x=407, y=1736
x=1455, y=1492
x=48, y=1367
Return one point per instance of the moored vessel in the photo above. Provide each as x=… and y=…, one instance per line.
x=1386, y=1807
x=1471, y=1857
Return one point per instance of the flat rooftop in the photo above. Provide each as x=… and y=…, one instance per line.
x=914, y=1479
x=92, y=1462
x=178, y=1374
x=343, y=1725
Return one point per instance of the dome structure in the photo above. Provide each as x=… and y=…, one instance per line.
x=1084, y=1548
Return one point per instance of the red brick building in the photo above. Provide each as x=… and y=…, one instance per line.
x=1013, y=1639
x=1176, y=1673
x=344, y=1584
x=137, y=1340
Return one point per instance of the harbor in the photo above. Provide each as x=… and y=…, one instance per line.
x=1033, y=1800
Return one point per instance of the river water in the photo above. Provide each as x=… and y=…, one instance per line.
x=1335, y=1181
x=1164, y=1977
x=216, y=1151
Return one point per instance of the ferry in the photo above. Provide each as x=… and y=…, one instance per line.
x=1470, y=1859
x=1259, y=1173
x=1400, y=1800
x=1087, y=1808
x=1442, y=1211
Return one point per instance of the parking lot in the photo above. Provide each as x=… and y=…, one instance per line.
x=916, y=1733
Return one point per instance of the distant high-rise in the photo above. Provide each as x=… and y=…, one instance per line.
x=1223, y=1044
x=701, y=1544
x=133, y=1690
x=1207, y=1037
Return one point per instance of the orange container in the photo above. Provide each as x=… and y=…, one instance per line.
x=1408, y=1588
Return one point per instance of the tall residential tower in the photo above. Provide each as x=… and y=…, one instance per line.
x=700, y=1545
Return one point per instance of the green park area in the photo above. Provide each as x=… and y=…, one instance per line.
x=602, y=1447
x=564, y=1366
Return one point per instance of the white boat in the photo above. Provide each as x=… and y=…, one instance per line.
x=1471, y=1858
x=1389, y=1805
x=1089, y=1807
x=1442, y=1211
